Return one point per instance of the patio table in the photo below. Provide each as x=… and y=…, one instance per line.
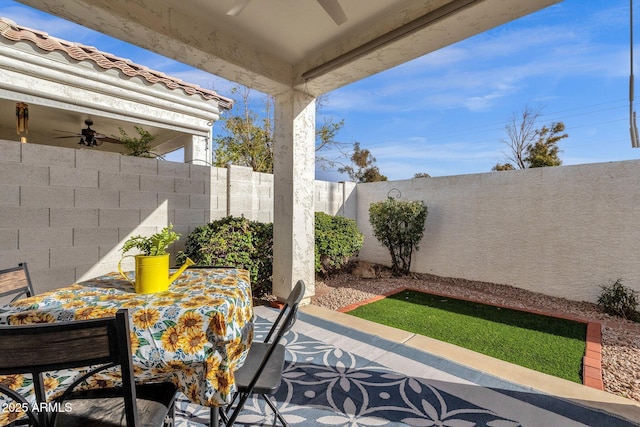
x=196, y=334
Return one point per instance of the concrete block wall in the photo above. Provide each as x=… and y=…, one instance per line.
x=251, y=194
x=336, y=198
x=563, y=231
x=67, y=212
x=262, y=200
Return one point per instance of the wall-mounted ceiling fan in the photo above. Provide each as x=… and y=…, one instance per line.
x=90, y=137
x=332, y=7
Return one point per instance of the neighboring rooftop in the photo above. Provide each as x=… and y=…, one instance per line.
x=14, y=32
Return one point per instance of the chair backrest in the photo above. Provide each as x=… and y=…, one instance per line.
x=292, y=302
x=281, y=326
x=33, y=349
x=15, y=281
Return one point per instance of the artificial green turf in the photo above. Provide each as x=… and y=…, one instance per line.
x=546, y=344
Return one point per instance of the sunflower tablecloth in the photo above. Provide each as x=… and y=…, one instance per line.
x=196, y=334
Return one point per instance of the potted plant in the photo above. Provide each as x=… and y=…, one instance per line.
x=152, y=263
x=154, y=245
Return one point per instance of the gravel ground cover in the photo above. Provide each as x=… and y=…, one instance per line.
x=620, y=338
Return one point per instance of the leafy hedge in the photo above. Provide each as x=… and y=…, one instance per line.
x=239, y=242
x=337, y=239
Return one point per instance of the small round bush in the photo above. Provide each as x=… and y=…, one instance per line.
x=619, y=300
x=235, y=242
x=337, y=239
x=399, y=226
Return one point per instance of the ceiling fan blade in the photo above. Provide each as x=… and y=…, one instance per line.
x=68, y=136
x=103, y=138
x=71, y=134
x=238, y=7
x=334, y=10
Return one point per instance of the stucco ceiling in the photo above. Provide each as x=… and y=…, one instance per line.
x=275, y=45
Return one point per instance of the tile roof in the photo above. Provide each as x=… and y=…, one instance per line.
x=11, y=31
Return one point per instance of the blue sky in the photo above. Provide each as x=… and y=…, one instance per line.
x=445, y=113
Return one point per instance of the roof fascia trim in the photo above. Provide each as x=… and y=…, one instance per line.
x=108, y=84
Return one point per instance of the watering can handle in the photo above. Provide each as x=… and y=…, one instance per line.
x=122, y=273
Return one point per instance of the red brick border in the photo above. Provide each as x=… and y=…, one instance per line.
x=591, y=362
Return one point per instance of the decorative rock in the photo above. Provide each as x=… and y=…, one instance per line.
x=366, y=270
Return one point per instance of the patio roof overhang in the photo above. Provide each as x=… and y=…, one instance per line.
x=273, y=46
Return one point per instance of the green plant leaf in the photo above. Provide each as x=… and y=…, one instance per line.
x=154, y=245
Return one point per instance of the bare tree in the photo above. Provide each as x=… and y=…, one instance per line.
x=521, y=133
x=531, y=147
x=325, y=138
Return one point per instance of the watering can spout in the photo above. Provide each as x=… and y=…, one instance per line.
x=175, y=275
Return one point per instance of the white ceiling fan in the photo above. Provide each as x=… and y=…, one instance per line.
x=332, y=7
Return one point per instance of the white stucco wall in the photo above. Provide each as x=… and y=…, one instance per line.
x=562, y=231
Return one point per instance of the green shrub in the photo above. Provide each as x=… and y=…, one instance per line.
x=619, y=300
x=337, y=239
x=237, y=242
x=399, y=226
x=140, y=147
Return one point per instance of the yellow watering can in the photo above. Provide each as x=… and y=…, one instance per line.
x=152, y=273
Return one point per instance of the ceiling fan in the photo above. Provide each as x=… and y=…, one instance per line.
x=90, y=137
x=332, y=7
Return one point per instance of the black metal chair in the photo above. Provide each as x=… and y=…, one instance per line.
x=99, y=344
x=16, y=282
x=262, y=370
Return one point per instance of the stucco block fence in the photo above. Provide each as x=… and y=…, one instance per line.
x=562, y=231
x=67, y=212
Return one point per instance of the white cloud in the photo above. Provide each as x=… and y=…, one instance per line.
x=482, y=103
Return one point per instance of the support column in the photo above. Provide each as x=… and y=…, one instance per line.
x=294, y=181
x=198, y=150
